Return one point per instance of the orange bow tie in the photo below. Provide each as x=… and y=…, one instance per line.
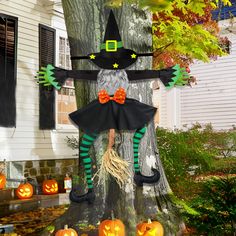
x=118, y=97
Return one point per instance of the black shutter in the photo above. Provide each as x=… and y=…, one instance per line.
x=46, y=95
x=8, y=49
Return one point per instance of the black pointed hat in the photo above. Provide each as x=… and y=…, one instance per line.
x=113, y=55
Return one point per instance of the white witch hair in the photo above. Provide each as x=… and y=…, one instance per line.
x=111, y=80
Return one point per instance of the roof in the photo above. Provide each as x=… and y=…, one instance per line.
x=224, y=12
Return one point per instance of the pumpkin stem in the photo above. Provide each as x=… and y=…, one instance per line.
x=112, y=215
x=149, y=221
x=65, y=226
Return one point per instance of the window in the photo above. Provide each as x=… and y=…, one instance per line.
x=64, y=53
x=66, y=102
x=8, y=51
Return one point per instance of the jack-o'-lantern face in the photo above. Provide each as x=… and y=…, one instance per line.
x=24, y=191
x=2, y=181
x=150, y=228
x=112, y=228
x=66, y=232
x=50, y=186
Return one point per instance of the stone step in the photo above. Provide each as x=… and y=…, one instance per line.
x=7, y=194
x=8, y=207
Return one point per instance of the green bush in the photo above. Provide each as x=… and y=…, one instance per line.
x=216, y=207
x=184, y=154
x=199, y=150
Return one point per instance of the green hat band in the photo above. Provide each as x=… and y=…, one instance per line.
x=111, y=45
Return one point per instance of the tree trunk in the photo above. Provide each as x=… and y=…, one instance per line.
x=86, y=22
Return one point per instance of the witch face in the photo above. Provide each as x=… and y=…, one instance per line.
x=112, y=80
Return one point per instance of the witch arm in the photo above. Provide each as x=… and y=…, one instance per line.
x=56, y=77
x=169, y=77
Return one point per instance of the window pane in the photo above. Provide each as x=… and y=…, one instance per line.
x=61, y=45
x=66, y=104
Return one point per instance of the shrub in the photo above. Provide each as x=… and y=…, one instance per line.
x=216, y=206
x=185, y=154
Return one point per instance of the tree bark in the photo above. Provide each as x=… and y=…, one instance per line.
x=86, y=22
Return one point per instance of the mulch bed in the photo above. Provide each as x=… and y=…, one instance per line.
x=29, y=223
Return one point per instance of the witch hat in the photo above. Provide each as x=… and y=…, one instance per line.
x=113, y=55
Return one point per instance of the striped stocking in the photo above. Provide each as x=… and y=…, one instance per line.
x=136, y=141
x=85, y=145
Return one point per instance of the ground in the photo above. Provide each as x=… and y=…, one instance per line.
x=29, y=223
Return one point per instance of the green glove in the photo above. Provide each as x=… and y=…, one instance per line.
x=180, y=77
x=45, y=77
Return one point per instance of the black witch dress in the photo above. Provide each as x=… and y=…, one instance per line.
x=129, y=115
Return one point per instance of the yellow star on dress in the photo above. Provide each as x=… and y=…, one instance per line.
x=115, y=65
x=92, y=56
x=133, y=56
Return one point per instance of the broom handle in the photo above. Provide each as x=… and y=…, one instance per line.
x=111, y=138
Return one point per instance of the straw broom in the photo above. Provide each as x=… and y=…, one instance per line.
x=113, y=164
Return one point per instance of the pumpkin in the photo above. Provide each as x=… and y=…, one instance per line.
x=24, y=191
x=149, y=228
x=113, y=227
x=2, y=181
x=50, y=186
x=66, y=232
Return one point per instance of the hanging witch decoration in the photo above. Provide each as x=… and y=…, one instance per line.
x=112, y=110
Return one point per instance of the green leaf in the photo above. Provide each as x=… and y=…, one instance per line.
x=197, y=6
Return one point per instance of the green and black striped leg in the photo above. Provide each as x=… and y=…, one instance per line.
x=139, y=179
x=136, y=141
x=85, y=144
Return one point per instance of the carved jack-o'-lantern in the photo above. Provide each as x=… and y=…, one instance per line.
x=66, y=232
x=24, y=191
x=50, y=186
x=112, y=227
x=150, y=228
x=2, y=181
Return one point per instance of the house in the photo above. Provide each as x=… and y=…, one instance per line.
x=32, y=33
x=213, y=99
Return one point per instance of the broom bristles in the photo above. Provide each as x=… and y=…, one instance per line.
x=115, y=166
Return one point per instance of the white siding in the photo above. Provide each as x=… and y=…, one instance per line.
x=169, y=107
x=26, y=141
x=213, y=99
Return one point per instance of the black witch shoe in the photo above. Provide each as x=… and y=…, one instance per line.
x=89, y=196
x=139, y=179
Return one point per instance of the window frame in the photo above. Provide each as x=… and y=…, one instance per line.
x=61, y=127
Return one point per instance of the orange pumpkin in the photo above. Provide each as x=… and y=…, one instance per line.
x=24, y=191
x=66, y=232
x=112, y=227
x=50, y=186
x=149, y=228
x=2, y=181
